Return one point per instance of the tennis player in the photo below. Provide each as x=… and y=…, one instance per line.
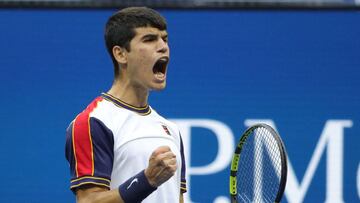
x=119, y=148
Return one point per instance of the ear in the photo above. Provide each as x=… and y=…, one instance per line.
x=120, y=54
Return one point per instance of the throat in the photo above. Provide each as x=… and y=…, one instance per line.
x=134, y=95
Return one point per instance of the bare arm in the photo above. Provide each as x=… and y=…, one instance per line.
x=162, y=166
x=181, y=197
x=98, y=195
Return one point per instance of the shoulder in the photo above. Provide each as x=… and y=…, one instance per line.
x=91, y=122
x=104, y=111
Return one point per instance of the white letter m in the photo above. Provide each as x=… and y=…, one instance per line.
x=332, y=136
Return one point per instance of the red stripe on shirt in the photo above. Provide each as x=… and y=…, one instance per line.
x=82, y=141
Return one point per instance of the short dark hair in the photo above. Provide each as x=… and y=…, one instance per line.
x=120, y=27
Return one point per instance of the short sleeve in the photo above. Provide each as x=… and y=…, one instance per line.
x=183, y=188
x=89, y=151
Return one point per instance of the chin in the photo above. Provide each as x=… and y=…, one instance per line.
x=159, y=87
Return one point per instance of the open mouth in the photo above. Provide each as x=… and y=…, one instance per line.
x=161, y=65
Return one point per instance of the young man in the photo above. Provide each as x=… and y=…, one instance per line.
x=119, y=148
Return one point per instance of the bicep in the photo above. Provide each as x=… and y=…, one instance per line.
x=83, y=194
x=181, y=197
x=97, y=194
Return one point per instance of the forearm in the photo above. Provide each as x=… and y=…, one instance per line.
x=135, y=189
x=162, y=166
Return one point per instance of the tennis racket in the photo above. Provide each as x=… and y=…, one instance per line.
x=258, y=168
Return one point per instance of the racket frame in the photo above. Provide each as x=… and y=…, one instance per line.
x=236, y=159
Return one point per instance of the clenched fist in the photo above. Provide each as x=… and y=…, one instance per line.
x=162, y=166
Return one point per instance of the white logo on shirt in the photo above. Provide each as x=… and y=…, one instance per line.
x=133, y=181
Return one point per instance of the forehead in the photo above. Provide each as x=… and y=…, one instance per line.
x=142, y=31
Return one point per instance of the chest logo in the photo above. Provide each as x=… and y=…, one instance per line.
x=166, y=129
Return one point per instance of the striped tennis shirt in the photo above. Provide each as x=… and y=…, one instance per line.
x=111, y=141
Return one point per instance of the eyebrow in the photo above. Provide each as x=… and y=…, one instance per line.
x=151, y=35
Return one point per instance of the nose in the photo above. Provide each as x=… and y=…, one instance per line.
x=163, y=46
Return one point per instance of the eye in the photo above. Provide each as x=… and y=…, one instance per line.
x=149, y=38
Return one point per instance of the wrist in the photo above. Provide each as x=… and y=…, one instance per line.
x=150, y=181
x=136, y=188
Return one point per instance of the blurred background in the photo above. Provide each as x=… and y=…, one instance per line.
x=294, y=64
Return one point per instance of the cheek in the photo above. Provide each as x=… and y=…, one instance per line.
x=142, y=63
x=140, y=56
x=144, y=54
x=145, y=58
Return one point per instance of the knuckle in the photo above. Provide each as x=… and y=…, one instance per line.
x=158, y=159
x=155, y=153
x=167, y=148
x=162, y=162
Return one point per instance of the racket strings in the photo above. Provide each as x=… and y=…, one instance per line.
x=259, y=168
x=244, y=175
x=269, y=165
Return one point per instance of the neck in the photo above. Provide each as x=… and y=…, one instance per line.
x=133, y=95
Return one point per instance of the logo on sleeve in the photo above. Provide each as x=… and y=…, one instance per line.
x=166, y=129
